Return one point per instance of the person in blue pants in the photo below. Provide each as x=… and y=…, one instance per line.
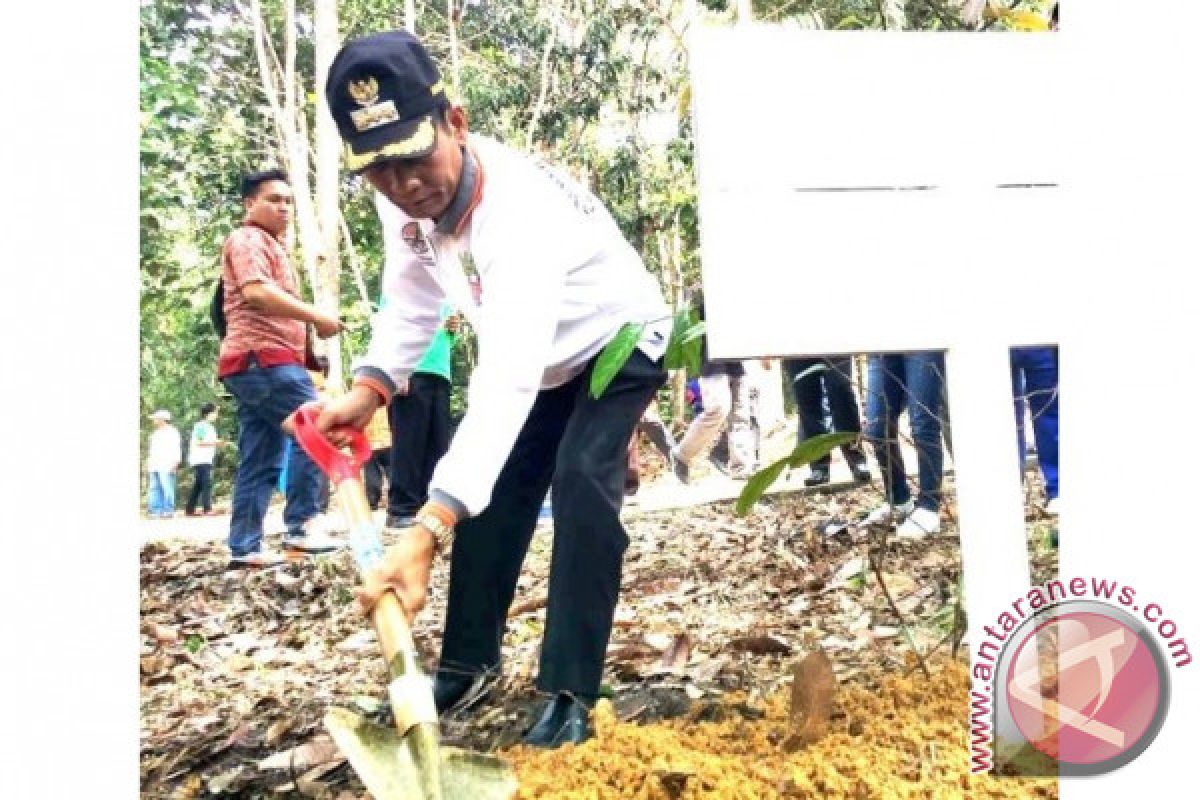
x=1035, y=381
x=916, y=382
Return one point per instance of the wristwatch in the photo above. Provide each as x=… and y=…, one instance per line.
x=443, y=534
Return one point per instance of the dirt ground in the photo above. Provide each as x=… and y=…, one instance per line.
x=238, y=669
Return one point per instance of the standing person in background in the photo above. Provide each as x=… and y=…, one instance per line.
x=419, y=415
x=165, y=453
x=815, y=380
x=379, y=436
x=895, y=382
x=725, y=399
x=202, y=449
x=262, y=364
x=1035, y=380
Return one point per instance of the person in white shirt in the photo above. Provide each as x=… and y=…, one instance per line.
x=540, y=270
x=165, y=453
x=202, y=449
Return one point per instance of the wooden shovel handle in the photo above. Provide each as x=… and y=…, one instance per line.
x=388, y=617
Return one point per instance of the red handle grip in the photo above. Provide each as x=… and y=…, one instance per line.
x=336, y=464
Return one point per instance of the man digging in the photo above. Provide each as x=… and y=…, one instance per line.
x=541, y=271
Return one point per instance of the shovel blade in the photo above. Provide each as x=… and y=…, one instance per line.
x=391, y=770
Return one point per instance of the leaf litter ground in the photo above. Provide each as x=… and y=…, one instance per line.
x=238, y=669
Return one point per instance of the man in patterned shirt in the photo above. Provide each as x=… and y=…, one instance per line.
x=262, y=364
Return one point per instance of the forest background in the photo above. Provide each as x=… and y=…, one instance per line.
x=599, y=87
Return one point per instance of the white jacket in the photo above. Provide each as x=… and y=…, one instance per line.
x=165, y=450
x=557, y=281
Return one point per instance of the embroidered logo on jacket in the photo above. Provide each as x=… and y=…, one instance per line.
x=411, y=234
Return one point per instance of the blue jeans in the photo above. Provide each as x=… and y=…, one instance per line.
x=162, y=493
x=914, y=381
x=1035, y=380
x=265, y=397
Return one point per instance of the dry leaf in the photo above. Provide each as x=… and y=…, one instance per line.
x=898, y=584
x=631, y=651
x=813, y=689
x=853, y=567
x=164, y=633
x=309, y=783
x=239, y=737
x=285, y=580
x=709, y=669
x=678, y=652
x=760, y=645
x=221, y=783
x=316, y=751
x=276, y=731
x=357, y=642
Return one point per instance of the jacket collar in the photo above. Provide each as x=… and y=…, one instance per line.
x=466, y=199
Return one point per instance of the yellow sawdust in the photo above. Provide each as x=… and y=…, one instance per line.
x=907, y=740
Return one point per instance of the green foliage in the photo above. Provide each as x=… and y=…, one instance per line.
x=683, y=350
x=686, y=345
x=805, y=453
x=613, y=357
x=615, y=114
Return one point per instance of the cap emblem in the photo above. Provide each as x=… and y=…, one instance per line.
x=365, y=91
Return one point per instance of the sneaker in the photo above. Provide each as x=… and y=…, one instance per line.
x=1051, y=507
x=860, y=472
x=680, y=468
x=720, y=465
x=887, y=513
x=921, y=523
x=817, y=476
x=313, y=538
x=400, y=521
x=740, y=473
x=312, y=543
x=331, y=522
x=257, y=560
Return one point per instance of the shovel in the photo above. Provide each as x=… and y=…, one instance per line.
x=407, y=762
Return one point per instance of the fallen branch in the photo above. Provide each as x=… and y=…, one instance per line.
x=873, y=560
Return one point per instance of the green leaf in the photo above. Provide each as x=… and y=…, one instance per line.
x=194, y=643
x=686, y=343
x=811, y=449
x=614, y=355
x=806, y=452
x=757, y=486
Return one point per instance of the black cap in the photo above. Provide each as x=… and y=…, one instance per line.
x=382, y=91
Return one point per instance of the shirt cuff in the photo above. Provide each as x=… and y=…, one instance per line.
x=450, y=502
x=376, y=379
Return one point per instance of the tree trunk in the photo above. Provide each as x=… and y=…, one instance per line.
x=972, y=12
x=289, y=120
x=745, y=11
x=543, y=84
x=410, y=16
x=455, y=66
x=328, y=147
x=893, y=14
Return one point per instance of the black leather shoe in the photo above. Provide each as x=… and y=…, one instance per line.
x=817, y=476
x=565, y=719
x=461, y=691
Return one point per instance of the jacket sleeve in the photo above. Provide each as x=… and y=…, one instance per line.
x=522, y=292
x=408, y=310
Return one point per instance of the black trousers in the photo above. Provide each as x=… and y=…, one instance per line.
x=810, y=389
x=201, y=488
x=378, y=466
x=420, y=422
x=578, y=443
